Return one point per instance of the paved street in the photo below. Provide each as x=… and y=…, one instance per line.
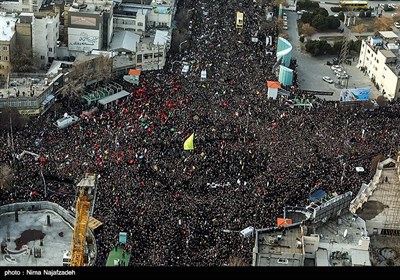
x=312, y=69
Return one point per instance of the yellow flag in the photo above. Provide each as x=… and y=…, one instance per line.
x=189, y=143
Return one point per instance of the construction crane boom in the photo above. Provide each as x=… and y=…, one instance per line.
x=83, y=204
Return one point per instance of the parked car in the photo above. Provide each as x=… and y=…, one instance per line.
x=397, y=24
x=335, y=67
x=327, y=79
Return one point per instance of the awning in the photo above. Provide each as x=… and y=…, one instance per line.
x=94, y=223
x=47, y=99
x=273, y=84
x=134, y=72
x=113, y=97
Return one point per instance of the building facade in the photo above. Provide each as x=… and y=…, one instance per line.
x=30, y=5
x=8, y=44
x=44, y=36
x=379, y=60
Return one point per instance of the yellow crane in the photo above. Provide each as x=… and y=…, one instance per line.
x=83, y=204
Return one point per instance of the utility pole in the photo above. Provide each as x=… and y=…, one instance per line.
x=180, y=46
x=44, y=181
x=344, y=52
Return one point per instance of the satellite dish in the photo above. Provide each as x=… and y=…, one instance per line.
x=345, y=233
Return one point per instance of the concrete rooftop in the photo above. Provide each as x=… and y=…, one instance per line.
x=57, y=239
x=382, y=210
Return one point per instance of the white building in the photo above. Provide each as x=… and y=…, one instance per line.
x=151, y=52
x=29, y=5
x=7, y=43
x=45, y=33
x=130, y=19
x=379, y=60
x=381, y=197
x=162, y=13
x=89, y=26
x=324, y=233
x=141, y=15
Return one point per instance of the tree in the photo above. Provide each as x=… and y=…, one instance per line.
x=374, y=162
x=321, y=11
x=307, y=17
x=361, y=14
x=337, y=47
x=341, y=16
x=17, y=120
x=6, y=177
x=332, y=22
x=382, y=101
x=383, y=23
x=276, y=3
x=22, y=61
x=308, y=30
x=182, y=19
x=236, y=261
x=396, y=16
x=179, y=36
x=307, y=5
x=98, y=69
x=359, y=28
x=316, y=47
x=319, y=22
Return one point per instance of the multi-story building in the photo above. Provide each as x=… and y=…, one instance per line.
x=383, y=189
x=8, y=40
x=379, y=60
x=129, y=17
x=89, y=26
x=324, y=233
x=30, y=5
x=141, y=15
x=151, y=52
x=39, y=32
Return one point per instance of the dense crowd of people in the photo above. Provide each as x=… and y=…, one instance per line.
x=252, y=155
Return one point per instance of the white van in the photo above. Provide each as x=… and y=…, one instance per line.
x=66, y=121
x=185, y=70
x=203, y=75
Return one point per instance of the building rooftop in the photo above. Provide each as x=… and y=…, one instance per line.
x=10, y=6
x=23, y=239
x=388, y=54
x=7, y=27
x=345, y=240
x=94, y=7
x=383, y=206
x=280, y=241
x=25, y=85
x=388, y=34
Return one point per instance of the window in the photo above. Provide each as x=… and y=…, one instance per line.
x=5, y=48
x=140, y=23
x=50, y=49
x=5, y=58
x=41, y=57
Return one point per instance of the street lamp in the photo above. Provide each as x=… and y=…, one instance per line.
x=347, y=80
x=180, y=46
